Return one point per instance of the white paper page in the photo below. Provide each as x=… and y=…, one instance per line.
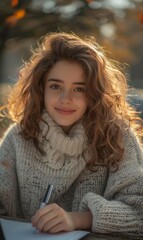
x=14, y=230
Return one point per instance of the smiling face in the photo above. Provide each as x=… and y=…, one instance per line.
x=64, y=95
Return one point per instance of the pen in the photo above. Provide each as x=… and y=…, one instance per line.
x=46, y=198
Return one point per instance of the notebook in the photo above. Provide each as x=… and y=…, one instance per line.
x=14, y=230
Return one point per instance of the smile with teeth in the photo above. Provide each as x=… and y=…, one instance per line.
x=64, y=111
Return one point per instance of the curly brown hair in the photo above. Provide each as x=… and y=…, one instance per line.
x=108, y=112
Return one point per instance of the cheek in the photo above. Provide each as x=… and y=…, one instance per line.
x=49, y=97
x=84, y=108
x=83, y=104
x=47, y=100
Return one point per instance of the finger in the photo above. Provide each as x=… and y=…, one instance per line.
x=51, y=224
x=45, y=219
x=45, y=215
x=41, y=212
x=58, y=228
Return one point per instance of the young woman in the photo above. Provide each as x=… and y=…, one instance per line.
x=73, y=128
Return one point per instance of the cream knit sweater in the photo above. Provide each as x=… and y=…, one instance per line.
x=114, y=198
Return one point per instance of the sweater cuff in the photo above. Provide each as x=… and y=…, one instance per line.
x=111, y=216
x=87, y=204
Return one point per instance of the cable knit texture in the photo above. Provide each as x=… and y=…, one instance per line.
x=114, y=198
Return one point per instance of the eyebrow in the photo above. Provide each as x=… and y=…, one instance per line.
x=61, y=81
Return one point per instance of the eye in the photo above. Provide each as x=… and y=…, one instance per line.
x=80, y=89
x=55, y=86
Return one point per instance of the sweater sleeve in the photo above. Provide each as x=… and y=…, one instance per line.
x=9, y=203
x=120, y=209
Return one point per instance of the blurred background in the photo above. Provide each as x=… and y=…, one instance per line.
x=116, y=24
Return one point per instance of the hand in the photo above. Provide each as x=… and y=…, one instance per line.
x=53, y=219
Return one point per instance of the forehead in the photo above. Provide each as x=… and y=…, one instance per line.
x=67, y=70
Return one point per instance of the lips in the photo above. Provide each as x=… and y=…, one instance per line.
x=64, y=111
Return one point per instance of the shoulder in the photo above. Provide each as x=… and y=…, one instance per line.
x=132, y=145
x=131, y=165
x=12, y=131
x=8, y=143
x=129, y=133
x=130, y=168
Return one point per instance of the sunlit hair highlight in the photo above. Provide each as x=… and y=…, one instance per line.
x=108, y=113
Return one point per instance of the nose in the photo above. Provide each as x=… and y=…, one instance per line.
x=66, y=97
